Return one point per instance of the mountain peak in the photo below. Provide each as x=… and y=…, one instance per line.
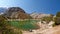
x=16, y=13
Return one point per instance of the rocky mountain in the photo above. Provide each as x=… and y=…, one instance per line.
x=16, y=13
x=19, y=13
x=38, y=15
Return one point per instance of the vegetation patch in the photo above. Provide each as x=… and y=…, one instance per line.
x=24, y=25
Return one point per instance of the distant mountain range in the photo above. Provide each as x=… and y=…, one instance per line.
x=19, y=13
x=16, y=13
x=2, y=10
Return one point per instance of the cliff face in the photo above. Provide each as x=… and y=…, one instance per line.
x=16, y=13
x=38, y=16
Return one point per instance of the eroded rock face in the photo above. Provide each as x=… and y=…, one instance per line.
x=39, y=15
x=16, y=13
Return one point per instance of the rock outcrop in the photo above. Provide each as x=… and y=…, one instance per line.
x=16, y=13
x=38, y=16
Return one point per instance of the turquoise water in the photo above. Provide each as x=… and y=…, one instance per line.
x=27, y=24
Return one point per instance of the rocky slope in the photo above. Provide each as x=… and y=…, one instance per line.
x=38, y=16
x=16, y=13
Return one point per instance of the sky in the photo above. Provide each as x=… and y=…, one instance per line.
x=39, y=6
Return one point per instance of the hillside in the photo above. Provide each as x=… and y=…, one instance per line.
x=38, y=15
x=16, y=13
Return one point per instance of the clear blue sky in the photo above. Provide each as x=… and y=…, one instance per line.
x=41, y=6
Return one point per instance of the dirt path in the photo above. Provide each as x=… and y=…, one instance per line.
x=54, y=30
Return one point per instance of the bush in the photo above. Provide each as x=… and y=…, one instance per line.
x=57, y=19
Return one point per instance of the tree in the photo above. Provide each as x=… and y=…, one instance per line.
x=4, y=26
x=47, y=19
x=57, y=19
x=51, y=15
x=58, y=14
x=3, y=23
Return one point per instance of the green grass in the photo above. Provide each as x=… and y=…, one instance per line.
x=25, y=25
